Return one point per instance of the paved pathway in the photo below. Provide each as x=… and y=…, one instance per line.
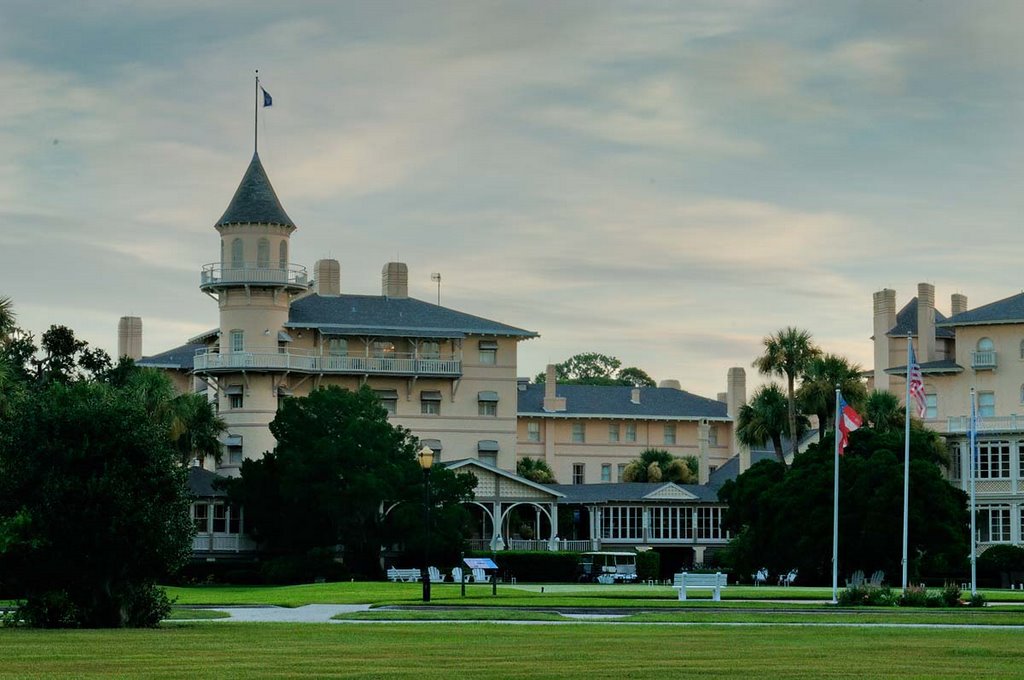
x=310, y=613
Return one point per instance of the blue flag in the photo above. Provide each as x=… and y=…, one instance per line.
x=267, y=99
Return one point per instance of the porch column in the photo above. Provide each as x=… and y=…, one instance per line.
x=645, y=524
x=553, y=539
x=698, y=554
x=497, y=542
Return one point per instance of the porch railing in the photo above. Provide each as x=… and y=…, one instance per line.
x=309, y=361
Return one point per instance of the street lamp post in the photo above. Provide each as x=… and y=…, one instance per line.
x=426, y=459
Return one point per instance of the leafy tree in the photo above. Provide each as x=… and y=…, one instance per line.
x=536, y=470
x=591, y=368
x=817, y=393
x=884, y=412
x=783, y=520
x=339, y=465
x=765, y=419
x=656, y=465
x=788, y=353
x=94, y=507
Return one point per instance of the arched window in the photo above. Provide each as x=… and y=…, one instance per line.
x=237, y=256
x=282, y=256
x=263, y=254
x=986, y=345
x=1022, y=349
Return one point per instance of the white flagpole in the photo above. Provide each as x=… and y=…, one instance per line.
x=906, y=464
x=835, y=511
x=974, y=531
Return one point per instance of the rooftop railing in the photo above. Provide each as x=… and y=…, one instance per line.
x=253, y=273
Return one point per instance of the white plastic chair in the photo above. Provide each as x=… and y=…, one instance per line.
x=457, y=574
x=761, y=577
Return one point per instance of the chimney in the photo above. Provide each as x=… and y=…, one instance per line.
x=327, y=274
x=885, y=319
x=722, y=397
x=634, y=395
x=129, y=337
x=957, y=304
x=395, y=280
x=703, y=444
x=551, y=401
x=670, y=384
x=736, y=397
x=925, y=322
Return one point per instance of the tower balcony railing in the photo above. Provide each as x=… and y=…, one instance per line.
x=983, y=360
x=311, y=361
x=962, y=424
x=217, y=274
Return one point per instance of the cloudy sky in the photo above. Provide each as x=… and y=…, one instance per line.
x=666, y=182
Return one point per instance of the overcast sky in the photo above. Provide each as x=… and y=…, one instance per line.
x=664, y=182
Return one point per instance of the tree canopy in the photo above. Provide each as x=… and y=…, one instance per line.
x=591, y=368
x=788, y=353
x=658, y=465
x=817, y=393
x=338, y=468
x=536, y=470
x=783, y=520
x=765, y=419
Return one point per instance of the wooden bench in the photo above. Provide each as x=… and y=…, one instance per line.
x=715, y=582
x=403, y=575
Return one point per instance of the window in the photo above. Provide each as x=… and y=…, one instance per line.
x=282, y=255
x=430, y=402
x=234, y=519
x=487, y=403
x=606, y=472
x=237, y=254
x=955, y=462
x=931, y=406
x=579, y=433
x=622, y=522
x=389, y=400
x=430, y=350
x=234, y=450
x=533, y=432
x=712, y=435
x=220, y=518
x=993, y=523
x=235, y=400
x=630, y=432
x=237, y=341
x=578, y=476
x=1022, y=349
x=670, y=435
x=337, y=347
x=994, y=460
x=709, y=523
x=613, y=432
x=488, y=352
x=620, y=469
x=201, y=517
x=489, y=457
x=263, y=254
x=672, y=523
x=986, y=345
x=986, y=404
x=1022, y=394
x=383, y=348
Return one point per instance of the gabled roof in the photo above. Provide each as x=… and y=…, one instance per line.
x=636, y=492
x=201, y=483
x=474, y=462
x=906, y=322
x=179, y=358
x=255, y=201
x=596, y=401
x=360, y=315
x=1007, y=310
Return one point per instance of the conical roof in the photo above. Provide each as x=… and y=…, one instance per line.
x=255, y=201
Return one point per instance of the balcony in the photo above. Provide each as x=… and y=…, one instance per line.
x=962, y=424
x=271, y=359
x=983, y=361
x=216, y=275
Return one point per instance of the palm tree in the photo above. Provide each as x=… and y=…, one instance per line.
x=195, y=428
x=817, y=393
x=657, y=465
x=788, y=353
x=536, y=470
x=6, y=317
x=883, y=411
x=764, y=419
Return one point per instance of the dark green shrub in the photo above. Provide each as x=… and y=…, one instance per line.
x=914, y=596
x=867, y=596
x=977, y=600
x=951, y=595
x=1001, y=558
x=648, y=565
x=536, y=566
x=309, y=568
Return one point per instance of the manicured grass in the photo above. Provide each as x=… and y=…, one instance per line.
x=179, y=613
x=424, y=652
x=451, y=615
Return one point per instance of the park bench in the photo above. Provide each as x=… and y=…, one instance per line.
x=403, y=575
x=715, y=582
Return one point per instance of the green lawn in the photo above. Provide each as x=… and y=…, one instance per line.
x=178, y=613
x=424, y=652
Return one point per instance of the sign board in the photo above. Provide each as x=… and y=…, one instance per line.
x=480, y=563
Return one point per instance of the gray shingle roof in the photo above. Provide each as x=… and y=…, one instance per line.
x=906, y=322
x=730, y=469
x=594, y=400
x=179, y=358
x=627, y=492
x=200, y=483
x=1007, y=310
x=943, y=366
x=379, y=315
x=255, y=201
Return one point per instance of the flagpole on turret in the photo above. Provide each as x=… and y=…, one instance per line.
x=256, y=115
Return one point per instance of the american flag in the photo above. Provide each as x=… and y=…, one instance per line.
x=916, y=383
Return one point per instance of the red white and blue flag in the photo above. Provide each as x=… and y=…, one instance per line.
x=916, y=382
x=849, y=420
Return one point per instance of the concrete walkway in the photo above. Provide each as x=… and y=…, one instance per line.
x=310, y=613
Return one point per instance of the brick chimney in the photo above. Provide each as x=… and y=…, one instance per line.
x=327, y=274
x=957, y=304
x=395, y=280
x=885, y=319
x=925, y=322
x=735, y=398
x=552, y=402
x=129, y=337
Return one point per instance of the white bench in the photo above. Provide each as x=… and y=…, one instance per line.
x=403, y=575
x=715, y=582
